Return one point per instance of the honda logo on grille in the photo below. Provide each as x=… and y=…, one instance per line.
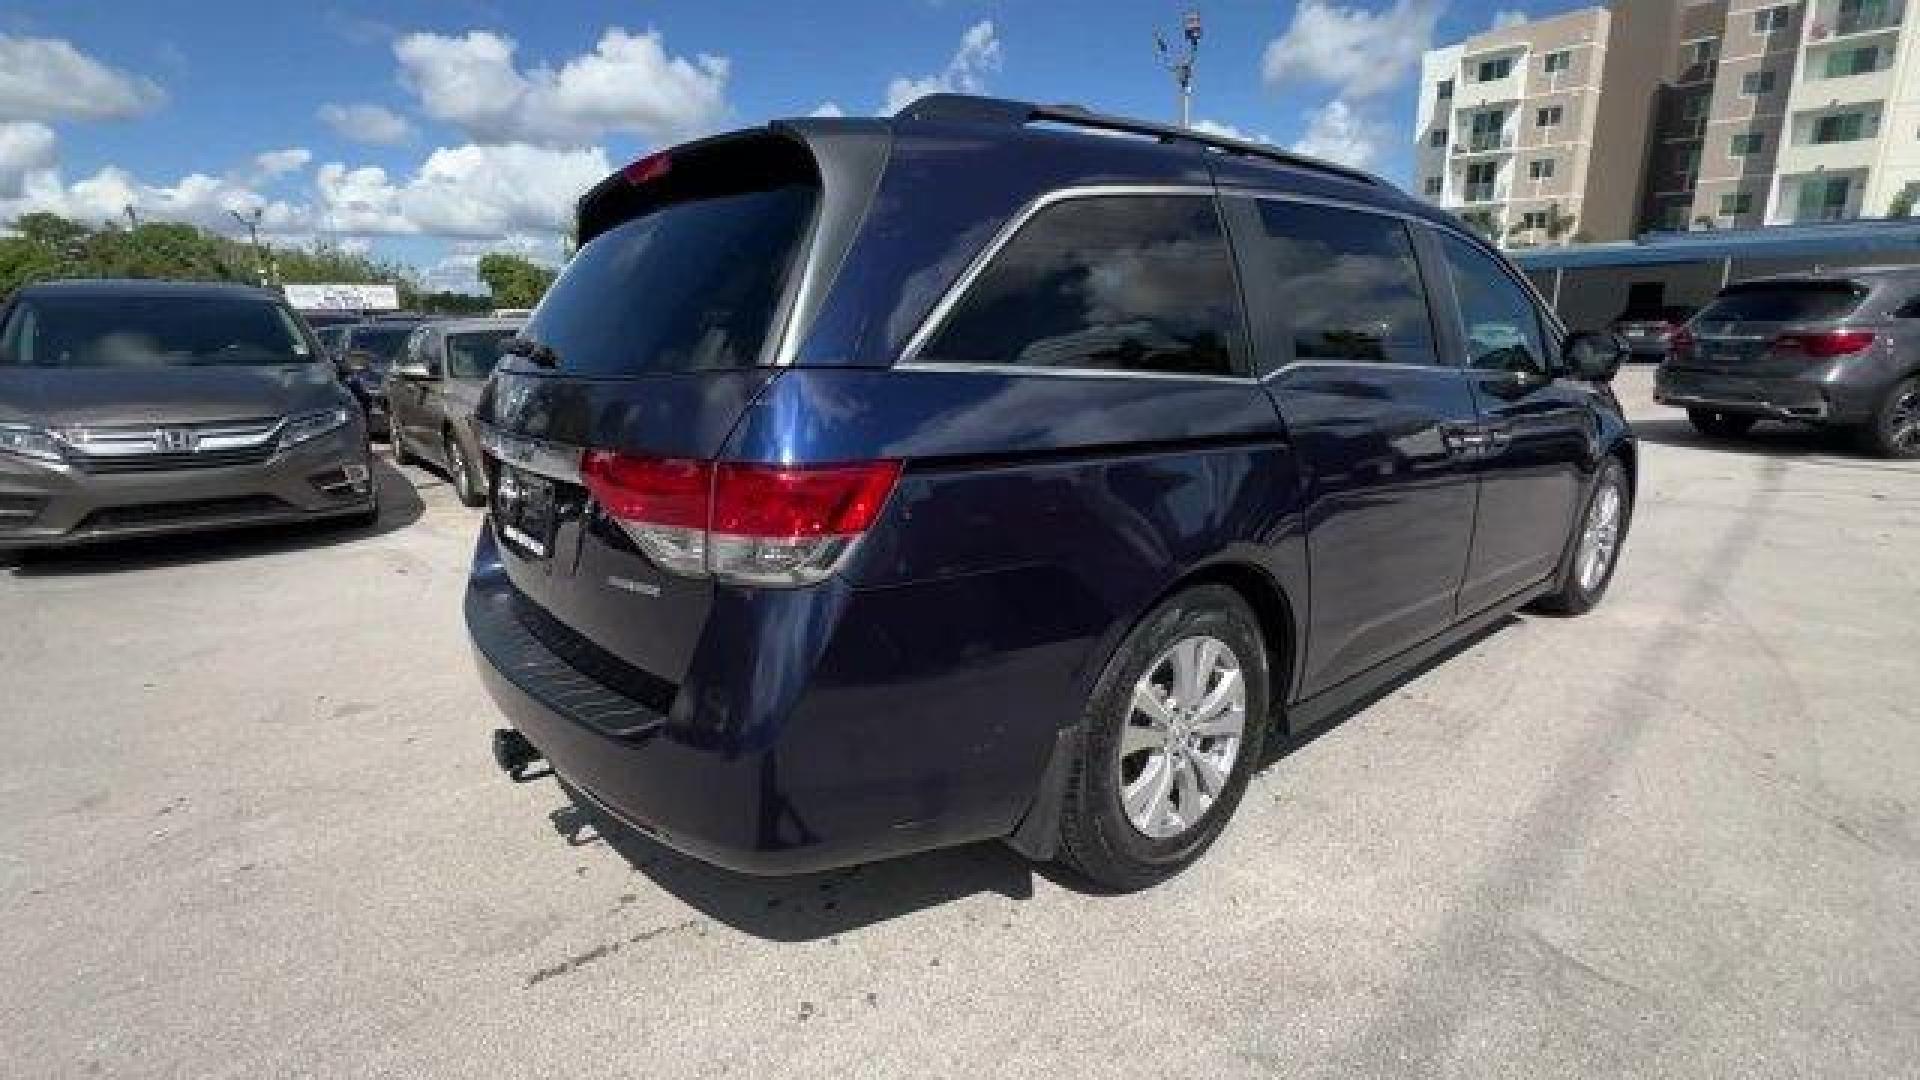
x=175, y=440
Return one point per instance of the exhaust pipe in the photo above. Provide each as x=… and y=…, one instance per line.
x=513, y=752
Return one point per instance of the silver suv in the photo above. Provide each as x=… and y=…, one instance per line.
x=137, y=407
x=1839, y=349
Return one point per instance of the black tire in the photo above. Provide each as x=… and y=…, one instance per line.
x=467, y=487
x=1894, y=431
x=1575, y=594
x=1096, y=836
x=1720, y=425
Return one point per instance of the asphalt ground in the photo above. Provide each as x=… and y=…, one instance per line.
x=251, y=828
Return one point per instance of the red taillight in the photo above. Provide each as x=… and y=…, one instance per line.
x=657, y=491
x=802, y=502
x=1825, y=345
x=763, y=524
x=651, y=167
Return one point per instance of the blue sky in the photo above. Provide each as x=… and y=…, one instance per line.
x=429, y=132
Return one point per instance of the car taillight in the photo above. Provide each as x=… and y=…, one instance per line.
x=1825, y=345
x=759, y=524
x=1681, y=343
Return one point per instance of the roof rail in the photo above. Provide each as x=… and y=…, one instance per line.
x=966, y=108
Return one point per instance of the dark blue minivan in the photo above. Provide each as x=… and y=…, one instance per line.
x=864, y=486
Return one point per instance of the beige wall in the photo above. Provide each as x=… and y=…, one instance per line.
x=1638, y=49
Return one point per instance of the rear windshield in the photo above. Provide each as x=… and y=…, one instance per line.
x=150, y=331
x=382, y=343
x=689, y=285
x=1784, y=301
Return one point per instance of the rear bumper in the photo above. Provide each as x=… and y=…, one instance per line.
x=1814, y=397
x=57, y=506
x=808, y=733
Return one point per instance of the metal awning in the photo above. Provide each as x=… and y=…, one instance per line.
x=1899, y=239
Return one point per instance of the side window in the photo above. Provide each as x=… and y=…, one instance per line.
x=1339, y=285
x=1501, y=324
x=1123, y=282
x=1910, y=309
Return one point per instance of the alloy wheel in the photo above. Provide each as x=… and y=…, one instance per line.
x=1182, y=737
x=1903, y=422
x=1601, y=537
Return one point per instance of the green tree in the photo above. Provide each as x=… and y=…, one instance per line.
x=514, y=281
x=1903, y=203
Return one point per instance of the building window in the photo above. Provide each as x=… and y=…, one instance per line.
x=1824, y=199
x=1437, y=137
x=1533, y=220
x=1557, y=61
x=1547, y=117
x=1493, y=70
x=1756, y=83
x=1445, y=89
x=1748, y=142
x=1848, y=62
x=1433, y=186
x=1772, y=20
x=1736, y=203
x=1481, y=181
x=1700, y=57
x=1540, y=169
x=1840, y=127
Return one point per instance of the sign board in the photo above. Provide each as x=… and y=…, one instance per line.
x=342, y=297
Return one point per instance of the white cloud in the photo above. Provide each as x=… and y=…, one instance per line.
x=628, y=83
x=197, y=198
x=476, y=190
x=49, y=79
x=828, y=108
x=1359, y=52
x=459, y=269
x=1337, y=132
x=1212, y=127
x=1508, y=17
x=24, y=148
x=281, y=162
x=366, y=123
x=978, y=57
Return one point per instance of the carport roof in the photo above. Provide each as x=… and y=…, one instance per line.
x=1892, y=236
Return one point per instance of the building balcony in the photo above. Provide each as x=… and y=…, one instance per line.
x=1491, y=142
x=1481, y=194
x=1831, y=24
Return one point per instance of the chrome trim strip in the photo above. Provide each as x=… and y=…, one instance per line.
x=937, y=317
x=1073, y=373
x=553, y=460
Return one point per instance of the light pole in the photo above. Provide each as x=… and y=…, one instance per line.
x=252, y=222
x=1182, y=65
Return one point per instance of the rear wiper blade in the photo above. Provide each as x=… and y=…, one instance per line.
x=539, y=353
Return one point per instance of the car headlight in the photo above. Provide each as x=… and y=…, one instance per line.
x=311, y=425
x=29, y=442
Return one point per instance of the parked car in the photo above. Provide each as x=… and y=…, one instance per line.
x=969, y=474
x=1650, y=333
x=1838, y=349
x=137, y=407
x=364, y=352
x=431, y=394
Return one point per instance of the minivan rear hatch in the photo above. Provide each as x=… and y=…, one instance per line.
x=1737, y=333
x=652, y=342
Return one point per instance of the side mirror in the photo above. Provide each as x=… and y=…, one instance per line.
x=1596, y=357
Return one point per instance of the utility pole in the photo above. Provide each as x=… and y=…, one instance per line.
x=1182, y=65
x=252, y=222
x=133, y=216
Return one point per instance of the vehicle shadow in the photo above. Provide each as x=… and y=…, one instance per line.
x=1767, y=439
x=804, y=907
x=400, y=506
x=813, y=906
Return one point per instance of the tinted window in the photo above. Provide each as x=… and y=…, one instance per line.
x=1784, y=301
x=1909, y=310
x=1136, y=282
x=150, y=331
x=1340, y=285
x=689, y=286
x=384, y=341
x=1497, y=315
x=472, y=355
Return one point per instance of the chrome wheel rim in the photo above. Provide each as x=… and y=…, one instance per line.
x=1182, y=736
x=1601, y=538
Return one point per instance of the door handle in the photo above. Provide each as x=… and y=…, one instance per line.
x=1476, y=440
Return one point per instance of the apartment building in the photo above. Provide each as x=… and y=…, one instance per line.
x=1609, y=121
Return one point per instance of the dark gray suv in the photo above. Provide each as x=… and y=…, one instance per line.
x=139, y=407
x=1839, y=349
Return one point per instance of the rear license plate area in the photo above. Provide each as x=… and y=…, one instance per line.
x=523, y=510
